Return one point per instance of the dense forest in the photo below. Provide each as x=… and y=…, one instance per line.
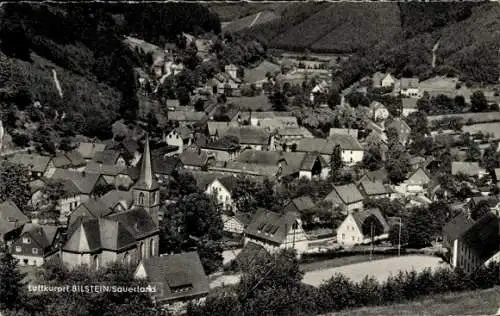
x=83, y=44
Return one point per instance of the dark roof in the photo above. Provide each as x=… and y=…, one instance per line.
x=310, y=159
x=193, y=157
x=76, y=182
x=409, y=103
x=409, y=83
x=165, y=165
x=137, y=220
x=89, y=150
x=113, y=197
x=44, y=235
x=229, y=182
x=483, y=237
x=456, y=227
x=93, y=208
x=361, y=216
x=371, y=188
x=346, y=194
x=38, y=163
x=249, y=135
x=108, y=156
x=346, y=142
x=303, y=203
x=177, y=270
x=250, y=252
x=11, y=217
x=271, y=226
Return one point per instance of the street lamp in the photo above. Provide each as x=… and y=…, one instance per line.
x=399, y=235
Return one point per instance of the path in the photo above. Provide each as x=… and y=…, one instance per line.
x=56, y=81
x=434, y=54
x=255, y=20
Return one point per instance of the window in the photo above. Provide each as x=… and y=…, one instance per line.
x=126, y=258
x=353, y=238
x=18, y=248
x=95, y=262
x=141, y=250
x=35, y=251
x=151, y=247
x=26, y=240
x=343, y=236
x=141, y=198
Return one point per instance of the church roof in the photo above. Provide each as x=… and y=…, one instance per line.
x=147, y=180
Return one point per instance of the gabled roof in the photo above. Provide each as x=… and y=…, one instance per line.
x=183, y=132
x=271, y=157
x=346, y=142
x=249, y=135
x=88, y=150
x=107, y=157
x=344, y=131
x=177, y=271
x=215, y=128
x=37, y=162
x=419, y=177
x=295, y=131
x=76, y=182
x=321, y=145
x=378, y=175
x=483, y=237
x=229, y=182
x=94, y=208
x=371, y=188
x=346, y=194
x=137, y=220
x=44, y=235
x=113, y=197
x=361, y=216
x=456, y=227
x=193, y=157
x=303, y=203
x=407, y=83
x=273, y=227
x=251, y=103
x=11, y=217
x=103, y=169
x=310, y=159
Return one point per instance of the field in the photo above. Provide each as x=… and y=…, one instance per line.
x=483, y=302
x=486, y=128
x=380, y=269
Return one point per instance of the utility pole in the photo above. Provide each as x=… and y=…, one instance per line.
x=399, y=238
x=371, y=235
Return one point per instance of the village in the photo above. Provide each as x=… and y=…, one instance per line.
x=392, y=168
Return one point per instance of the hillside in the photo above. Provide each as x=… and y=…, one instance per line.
x=481, y=302
x=95, y=69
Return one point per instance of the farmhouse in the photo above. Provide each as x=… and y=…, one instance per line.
x=357, y=227
x=36, y=244
x=347, y=197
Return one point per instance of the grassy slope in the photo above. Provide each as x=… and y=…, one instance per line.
x=482, y=302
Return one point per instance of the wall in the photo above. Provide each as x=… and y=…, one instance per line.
x=351, y=157
x=222, y=196
x=31, y=260
x=350, y=231
x=173, y=139
x=232, y=225
x=354, y=206
x=408, y=111
x=221, y=155
x=66, y=205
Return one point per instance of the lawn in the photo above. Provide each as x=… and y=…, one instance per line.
x=380, y=269
x=481, y=302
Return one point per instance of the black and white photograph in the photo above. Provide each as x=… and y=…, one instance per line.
x=246, y=158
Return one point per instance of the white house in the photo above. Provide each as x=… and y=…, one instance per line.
x=410, y=87
x=351, y=233
x=235, y=224
x=388, y=80
x=276, y=231
x=378, y=111
x=181, y=137
x=221, y=189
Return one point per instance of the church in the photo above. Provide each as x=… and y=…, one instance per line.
x=101, y=236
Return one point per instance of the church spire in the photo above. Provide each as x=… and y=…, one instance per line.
x=147, y=179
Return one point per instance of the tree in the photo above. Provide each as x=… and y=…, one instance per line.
x=372, y=159
x=372, y=227
x=14, y=184
x=183, y=96
x=336, y=162
x=478, y=102
x=394, y=235
x=473, y=152
x=482, y=208
x=194, y=223
x=420, y=233
x=278, y=100
x=11, y=287
x=397, y=160
x=424, y=103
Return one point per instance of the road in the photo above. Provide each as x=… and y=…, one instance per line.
x=381, y=269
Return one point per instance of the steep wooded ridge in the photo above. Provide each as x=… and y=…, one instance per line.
x=395, y=36
x=83, y=44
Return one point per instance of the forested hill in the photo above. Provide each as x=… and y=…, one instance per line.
x=82, y=44
x=397, y=37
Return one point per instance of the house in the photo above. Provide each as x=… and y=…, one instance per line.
x=78, y=187
x=409, y=106
x=409, y=87
x=12, y=221
x=374, y=189
x=320, y=88
x=186, y=117
x=388, y=80
x=225, y=82
x=402, y=128
x=472, y=244
x=251, y=138
x=416, y=183
x=287, y=138
x=181, y=137
x=276, y=231
x=194, y=159
x=111, y=157
x=218, y=129
x=88, y=150
x=351, y=150
x=357, y=227
x=379, y=175
x=109, y=173
x=180, y=277
x=258, y=119
x=222, y=149
x=467, y=168
x=221, y=190
x=300, y=204
x=492, y=201
x=117, y=200
x=378, y=111
x=71, y=160
x=314, y=166
x=348, y=197
x=36, y=164
x=36, y=244
x=235, y=224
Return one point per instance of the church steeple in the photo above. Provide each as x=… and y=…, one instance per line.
x=147, y=179
x=146, y=190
